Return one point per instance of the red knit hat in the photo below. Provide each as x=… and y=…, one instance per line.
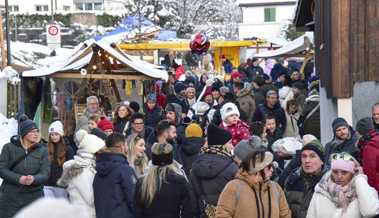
x=208, y=91
x=104, y=124
x=235, y=75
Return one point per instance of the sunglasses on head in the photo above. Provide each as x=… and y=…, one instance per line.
x=342, y=156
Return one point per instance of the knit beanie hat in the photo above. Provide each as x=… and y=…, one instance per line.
x=179, y=87
x=174, y=107
x=26, y=125
x=338, y=122
x=245, y=148
x=364, y=125
x=104, y=124
x=152, y=97
x=88, y=142
x=229, y=109
x=193, y=130
x=317, y=148
x=208, y=91
x=56, y=127
x=135, y=106
x=217, y=136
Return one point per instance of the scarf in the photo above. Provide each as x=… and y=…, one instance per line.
x=341, y=196
x=216, y=149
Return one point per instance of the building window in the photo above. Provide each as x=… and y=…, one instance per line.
x=42, y=8
x=13, y=8
x=88, y=6
x=66, y=8
x=270, y=14
x=98, y=6
x=79, y=6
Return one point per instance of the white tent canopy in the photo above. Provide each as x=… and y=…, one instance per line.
x=82, y=57
x=291, y=48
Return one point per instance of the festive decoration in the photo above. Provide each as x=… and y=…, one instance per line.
x=199, y=43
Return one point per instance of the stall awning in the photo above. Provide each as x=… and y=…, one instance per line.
x=294, y=47
x=84, y=53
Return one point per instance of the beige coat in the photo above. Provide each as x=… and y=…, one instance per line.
x=242, y=198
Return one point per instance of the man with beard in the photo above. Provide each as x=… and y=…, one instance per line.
x=375, y=116
x=345, y=140
x=93, y=108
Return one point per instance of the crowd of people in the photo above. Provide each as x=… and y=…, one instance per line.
x=201, y=147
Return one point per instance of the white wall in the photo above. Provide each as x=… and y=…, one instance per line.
x=253, y=20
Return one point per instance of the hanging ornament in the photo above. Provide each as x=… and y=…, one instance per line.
x=199, y=43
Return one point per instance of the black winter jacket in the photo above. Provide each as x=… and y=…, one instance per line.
x=262, y=110
x=152, y=117
x=189, y=151
x=114, y=186
x=210, y=173
x=119, y=126
x=173, y=200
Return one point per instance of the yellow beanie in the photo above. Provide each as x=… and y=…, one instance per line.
x=194, y=130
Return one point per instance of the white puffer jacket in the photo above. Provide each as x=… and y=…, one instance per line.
x=365, y=205
x=77, y=178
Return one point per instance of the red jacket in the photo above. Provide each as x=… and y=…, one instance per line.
x=370, y=158
x=239, y=131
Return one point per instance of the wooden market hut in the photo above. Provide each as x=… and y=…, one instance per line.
x=346, y=55
x=96, y=62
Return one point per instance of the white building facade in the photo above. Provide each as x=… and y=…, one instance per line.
x=46, y=7
x=265, y=18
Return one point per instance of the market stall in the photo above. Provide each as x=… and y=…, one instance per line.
x=94, y=68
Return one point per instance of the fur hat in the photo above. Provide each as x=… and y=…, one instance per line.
x=193, y=130
x=104, y=124
x=162, y=154
x=177, y=108
x=364, y=125
x=88, y=142
x=246, y=147
x=229, y=109
x=56, y=127
x=26, y=125
x=217, y=136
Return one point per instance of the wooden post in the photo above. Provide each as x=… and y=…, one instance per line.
x=3, y=53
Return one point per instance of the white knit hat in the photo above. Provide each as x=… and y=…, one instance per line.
x=56, y=127
x=229, y=109
x=88, y=142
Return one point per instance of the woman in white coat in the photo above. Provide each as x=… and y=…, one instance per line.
x=78, y=174
x=344, y=192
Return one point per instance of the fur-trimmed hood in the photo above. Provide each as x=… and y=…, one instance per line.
x=73, y=168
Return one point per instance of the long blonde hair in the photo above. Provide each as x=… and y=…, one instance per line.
x=157, y=175
x=139, y=163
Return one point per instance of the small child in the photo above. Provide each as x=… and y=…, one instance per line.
x=232, y=123
x=92, y=122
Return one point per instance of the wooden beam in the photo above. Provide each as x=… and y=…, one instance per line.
x=64, y=75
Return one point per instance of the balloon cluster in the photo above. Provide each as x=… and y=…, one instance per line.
x=199, y=43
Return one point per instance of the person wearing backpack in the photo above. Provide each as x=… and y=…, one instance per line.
x=24, y=168
x=252, y=193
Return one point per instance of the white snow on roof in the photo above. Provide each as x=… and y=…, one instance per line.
x=82, y=54
x=294, y=47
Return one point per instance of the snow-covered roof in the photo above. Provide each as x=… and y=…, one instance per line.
x=294, y=47
x=83, y=53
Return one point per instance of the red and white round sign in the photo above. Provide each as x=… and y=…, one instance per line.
x=53, y=30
